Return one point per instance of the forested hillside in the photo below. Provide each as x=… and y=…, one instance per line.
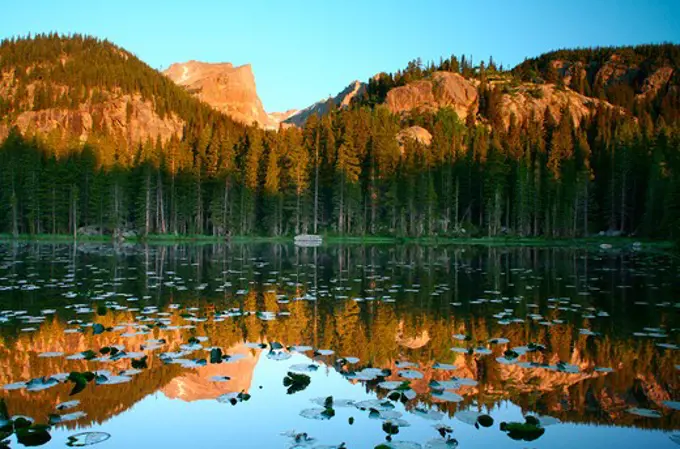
x=494, y=173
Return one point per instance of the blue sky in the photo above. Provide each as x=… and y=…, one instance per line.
x=302, y=51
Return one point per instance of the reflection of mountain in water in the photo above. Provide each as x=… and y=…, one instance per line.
x=587, y=396
x=418, y=327
x=195, y=385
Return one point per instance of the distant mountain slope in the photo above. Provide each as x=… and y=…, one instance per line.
x=76, y=87
x=341, y=100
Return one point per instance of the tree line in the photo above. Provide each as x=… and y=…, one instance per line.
x=345, y=173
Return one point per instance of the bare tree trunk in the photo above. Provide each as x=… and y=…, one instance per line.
x=585, y=212
x=15, y=214
x=147, y=205
x=74, y=212
x=297, y=214
x=342, y=205
x=199, y=205
x=457, y=203
x=54, y=211
x=173, y=204
x=225, y=204
x=623, y=203
x=159, y=202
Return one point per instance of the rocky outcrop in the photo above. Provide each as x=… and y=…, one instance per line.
x=341, y=100
x=567, y=70
x=656, y=81
x=417, y=133
x=532, y=100
x=615, y=71
x=128, y=116
x=443, y=89
x=226, y=88
x=446, y=89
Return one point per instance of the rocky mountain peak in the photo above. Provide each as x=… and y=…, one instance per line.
x=227, y=88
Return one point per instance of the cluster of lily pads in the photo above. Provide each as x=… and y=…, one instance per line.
x=194, y=353
x=28, y=433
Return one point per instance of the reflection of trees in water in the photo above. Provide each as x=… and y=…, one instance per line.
x=645, y=375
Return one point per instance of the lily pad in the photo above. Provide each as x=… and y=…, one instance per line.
x=430, y=414
x=324, y=352
x=374, y=404
x=389, y=384
x=301, y=348
x=296, y=382
x=304, y=368
x=444, y=367
x=68, y=405
x=467, y=416
x=15, y=386
x=645, y=412
x=340, y=403
x=410, y=374
x=36, y=435
x=399, y=445
x=448, y=443
x=233, y=398
x=87, y=439
x=41, y=383
x=56, y=419
x=317, y=413
x=278, y=355
x=220, y=378
x=447, y=396
x=675, y=405
x=525, y=431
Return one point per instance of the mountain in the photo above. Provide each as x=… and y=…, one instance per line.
x=341, y=100
x=278, y=117
x=226, y=88
x=79, y=87
x=521, y=100
x=635, y=78
x=571, y=143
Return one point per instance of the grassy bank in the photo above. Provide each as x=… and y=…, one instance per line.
x=616, y=242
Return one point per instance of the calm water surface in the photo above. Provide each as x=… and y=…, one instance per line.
x=276, y=346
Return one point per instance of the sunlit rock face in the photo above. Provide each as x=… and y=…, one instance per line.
x=130, y=117
x=443, y=89
x=226, y=88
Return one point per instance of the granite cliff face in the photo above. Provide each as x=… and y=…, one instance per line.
x=226, y=88
x=527, y=100
x=533, y=100
x=130, y=117
x=443, y=89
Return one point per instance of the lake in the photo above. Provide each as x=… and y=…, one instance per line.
x=406, y=346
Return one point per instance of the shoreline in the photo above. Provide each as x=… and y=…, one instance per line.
x=160, y=239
